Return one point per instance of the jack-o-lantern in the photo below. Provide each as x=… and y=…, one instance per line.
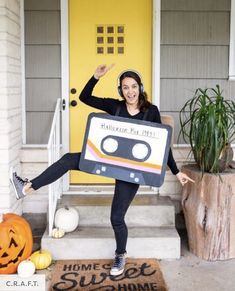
x=16, y=242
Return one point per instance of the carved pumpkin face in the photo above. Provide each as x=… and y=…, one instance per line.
x=16, y=242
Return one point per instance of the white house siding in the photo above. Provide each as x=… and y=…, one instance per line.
x=42, y=67
x=10, y=100
x=194, y=51
x=34, y=161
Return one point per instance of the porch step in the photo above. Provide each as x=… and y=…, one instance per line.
x=98, y=243
x=150, y=220
x=145, y=210
x=103, y=190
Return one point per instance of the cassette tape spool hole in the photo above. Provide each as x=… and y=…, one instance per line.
x=110, y=145
x=140, y=151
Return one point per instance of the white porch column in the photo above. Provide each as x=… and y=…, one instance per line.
x=10, y=100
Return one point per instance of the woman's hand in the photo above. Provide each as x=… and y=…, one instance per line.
x=183, y=178
x=101, y=70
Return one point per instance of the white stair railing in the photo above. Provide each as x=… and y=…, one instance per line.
x=53, y=147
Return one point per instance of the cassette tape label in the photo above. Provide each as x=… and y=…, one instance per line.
x=125, y=146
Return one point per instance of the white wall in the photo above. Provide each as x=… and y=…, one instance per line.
x=10, y=100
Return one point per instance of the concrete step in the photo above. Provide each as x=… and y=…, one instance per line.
x=102, y=190
x=145, y=210
x=99, y=243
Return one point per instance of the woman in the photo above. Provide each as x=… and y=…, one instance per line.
x=134, y=105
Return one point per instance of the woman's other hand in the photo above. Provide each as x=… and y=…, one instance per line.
x=101, y=70
x=183, y=178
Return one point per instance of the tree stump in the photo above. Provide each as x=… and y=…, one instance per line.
x=209, y=211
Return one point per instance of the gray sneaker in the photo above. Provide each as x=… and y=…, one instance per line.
x=118, y=265
x=18, y=185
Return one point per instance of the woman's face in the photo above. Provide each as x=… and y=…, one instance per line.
x=130, y=90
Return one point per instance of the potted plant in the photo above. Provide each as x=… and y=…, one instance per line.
x=207, y=123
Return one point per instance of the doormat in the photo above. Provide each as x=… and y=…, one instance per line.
x=92, y=275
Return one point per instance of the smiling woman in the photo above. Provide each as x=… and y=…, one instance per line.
x=136, y=108
x=16, y=242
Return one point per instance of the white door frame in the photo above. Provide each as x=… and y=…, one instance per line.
x=64, y=20
x=156, y=17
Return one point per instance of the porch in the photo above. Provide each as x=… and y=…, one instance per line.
x=187, y=274
x=194, y=45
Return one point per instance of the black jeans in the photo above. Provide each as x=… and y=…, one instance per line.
x=124, y=193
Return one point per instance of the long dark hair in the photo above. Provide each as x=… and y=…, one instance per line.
x=143, y=103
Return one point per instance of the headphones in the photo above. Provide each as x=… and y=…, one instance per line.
x=130, y=74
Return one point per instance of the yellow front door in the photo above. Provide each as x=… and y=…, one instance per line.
x=105, y=32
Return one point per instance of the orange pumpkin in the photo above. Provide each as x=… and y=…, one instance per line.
x=16, y=242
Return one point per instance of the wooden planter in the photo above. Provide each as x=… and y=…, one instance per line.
x=209, y=210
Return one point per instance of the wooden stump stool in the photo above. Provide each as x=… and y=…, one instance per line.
x=209, y=211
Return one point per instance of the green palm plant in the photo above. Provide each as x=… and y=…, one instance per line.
x=207, y=122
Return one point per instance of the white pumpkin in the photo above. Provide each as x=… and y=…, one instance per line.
x=26, y=268
x=57, y=232
x=67, y=218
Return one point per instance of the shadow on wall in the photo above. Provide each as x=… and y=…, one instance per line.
x=38, y=223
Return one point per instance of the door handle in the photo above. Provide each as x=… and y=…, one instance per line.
x=73, y=103
x=63, y=104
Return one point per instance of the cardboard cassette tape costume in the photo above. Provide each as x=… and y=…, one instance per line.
x=130, y=150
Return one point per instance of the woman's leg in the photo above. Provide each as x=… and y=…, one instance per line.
x=123, y=196
x=69, y=161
